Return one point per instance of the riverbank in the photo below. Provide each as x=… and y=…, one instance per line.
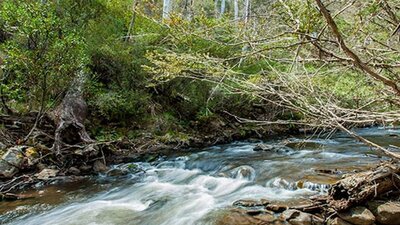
x=26, y=163
x=363, y=198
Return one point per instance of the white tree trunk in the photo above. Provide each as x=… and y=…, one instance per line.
x=246, y=11
x=236, y=9
x=223, y=6
x=166, y=9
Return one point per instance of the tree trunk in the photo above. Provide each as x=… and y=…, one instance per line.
x=246, y=13
x=70, y=116
x=166, y=9
x=223, y=6
x=236, y=9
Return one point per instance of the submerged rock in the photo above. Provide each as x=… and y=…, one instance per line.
x=244, y=172
x=386, y=213
x=298, y=145
x=358, y=215
x=116, y=172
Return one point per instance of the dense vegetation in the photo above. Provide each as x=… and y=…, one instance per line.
x=173, y=68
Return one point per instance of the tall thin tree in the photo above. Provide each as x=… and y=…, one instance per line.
x=223, y=6
x=236, y=9
x=246, y=13
x=166, y=9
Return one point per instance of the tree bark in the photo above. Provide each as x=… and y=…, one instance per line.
x=223, y=5
x=246, y=11
x=166, y=9
x=70, y=117
x=236, y=9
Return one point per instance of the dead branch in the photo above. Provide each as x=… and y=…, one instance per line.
x=356, y=60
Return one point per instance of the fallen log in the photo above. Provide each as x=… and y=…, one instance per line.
x=361, y=187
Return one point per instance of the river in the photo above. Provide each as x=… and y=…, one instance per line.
x=199, y=186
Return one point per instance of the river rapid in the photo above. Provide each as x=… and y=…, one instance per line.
x=199, y=186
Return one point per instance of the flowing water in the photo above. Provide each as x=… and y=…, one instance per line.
x=198, y=187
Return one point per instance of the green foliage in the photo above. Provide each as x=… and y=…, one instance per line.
x=168, y=74
x=352, y=88
x=44, y=54
x=120, y=106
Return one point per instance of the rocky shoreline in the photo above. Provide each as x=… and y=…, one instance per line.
x=259, y=212
x=366, y=198
x=25, y=164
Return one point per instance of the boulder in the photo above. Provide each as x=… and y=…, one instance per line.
x=116, y=172
x=241, y=217
x=276, y=208
x=296, y=217
x=99, y=167
x=11, y=161
x=337, y=221
x=264, y=147
x=74, y=171
x=358, y=215
x=386, y=213
x=14, y=156
x=7, y=170
x=45, y=174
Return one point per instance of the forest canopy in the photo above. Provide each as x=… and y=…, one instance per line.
x=169, y=63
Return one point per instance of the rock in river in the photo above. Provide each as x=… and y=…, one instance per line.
x=358, y=215
x=337, y=221
x=99, y=167
x=250, y=203
x=386, y=213
x=241, y=217
x=296, y=217
x=264, y=147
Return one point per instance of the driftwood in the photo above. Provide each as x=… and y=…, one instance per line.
x=361, y=187
x=70, y=117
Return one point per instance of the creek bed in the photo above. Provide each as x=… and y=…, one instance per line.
x=199, y=187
